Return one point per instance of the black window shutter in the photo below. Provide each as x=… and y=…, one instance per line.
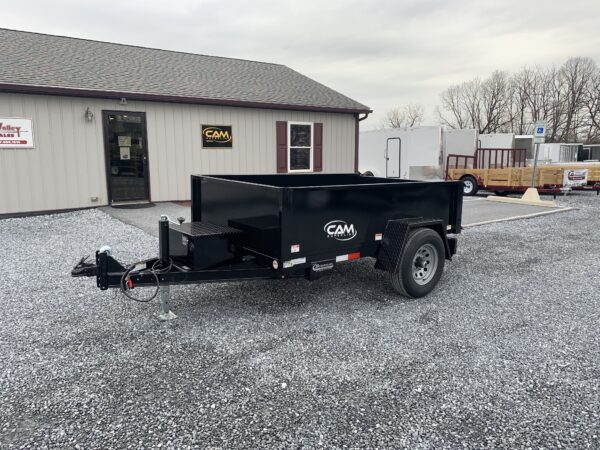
x=281, y=140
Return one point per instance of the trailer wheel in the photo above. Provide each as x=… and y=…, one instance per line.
x=469, y=185
x=421, y=264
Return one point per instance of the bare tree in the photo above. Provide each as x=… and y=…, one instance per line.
x=471, y=102
x=410, y=115
x=567, y=97
x=495, y=100
x=576, y=74
x=452, y=103
x=521, y=85
x=592, y=109
x=483, y=105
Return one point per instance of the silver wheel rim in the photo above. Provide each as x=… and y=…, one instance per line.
x=425, y=263
x=467, y=186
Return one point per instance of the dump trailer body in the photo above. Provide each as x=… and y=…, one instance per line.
x=320, y=216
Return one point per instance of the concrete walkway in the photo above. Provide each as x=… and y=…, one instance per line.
x=480, y=211
x=147, y=218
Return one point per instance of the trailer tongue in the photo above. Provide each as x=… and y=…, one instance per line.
x=279, y=226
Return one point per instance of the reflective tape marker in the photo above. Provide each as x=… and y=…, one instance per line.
x=348, y=257
x=293, y=262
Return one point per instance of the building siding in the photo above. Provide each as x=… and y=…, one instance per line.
x=67, y=166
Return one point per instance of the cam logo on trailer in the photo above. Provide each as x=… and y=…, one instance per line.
x=340, y=230
x=217, y=136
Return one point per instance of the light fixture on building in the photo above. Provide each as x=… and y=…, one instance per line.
x=89, y=115
x=123, y=101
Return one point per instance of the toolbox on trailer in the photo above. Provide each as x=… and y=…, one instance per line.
x=279, y=226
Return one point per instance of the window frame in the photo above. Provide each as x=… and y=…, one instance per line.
x=312, y=147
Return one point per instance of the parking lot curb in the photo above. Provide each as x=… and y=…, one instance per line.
x=524, y=216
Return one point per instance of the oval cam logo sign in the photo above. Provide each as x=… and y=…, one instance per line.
x=217, y=136
x=340, y=230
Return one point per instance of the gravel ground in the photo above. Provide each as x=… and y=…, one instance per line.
x=504, y=353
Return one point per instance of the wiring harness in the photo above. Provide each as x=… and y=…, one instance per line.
x=156, y=269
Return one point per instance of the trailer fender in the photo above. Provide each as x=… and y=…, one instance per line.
x=395, y=237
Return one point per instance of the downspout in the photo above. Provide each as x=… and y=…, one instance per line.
x=356, y=132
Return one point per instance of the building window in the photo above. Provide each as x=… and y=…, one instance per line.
x=300, y=147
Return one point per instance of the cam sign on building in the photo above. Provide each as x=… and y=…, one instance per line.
x=16, y=133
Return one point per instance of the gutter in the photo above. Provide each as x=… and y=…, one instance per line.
x=356, y=133
x=92, y=93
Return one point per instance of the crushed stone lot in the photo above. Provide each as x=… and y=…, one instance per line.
x=504, y=353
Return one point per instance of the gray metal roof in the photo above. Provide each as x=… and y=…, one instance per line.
x=63, y=65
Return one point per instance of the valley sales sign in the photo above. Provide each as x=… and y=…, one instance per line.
x=16, y=133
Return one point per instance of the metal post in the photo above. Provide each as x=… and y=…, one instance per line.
x=535, y=158
x=163, y=240
x=165, y=312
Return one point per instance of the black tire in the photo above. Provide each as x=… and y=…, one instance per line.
x=501, y=193
x=405, y=280
x=368, y=173
x=469, y=185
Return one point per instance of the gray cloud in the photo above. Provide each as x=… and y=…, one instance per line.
x=382, y=53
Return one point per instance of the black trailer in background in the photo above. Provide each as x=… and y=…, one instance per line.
x=279, y=226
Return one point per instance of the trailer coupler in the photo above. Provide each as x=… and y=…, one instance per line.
x=84, y=268
x=104, y=265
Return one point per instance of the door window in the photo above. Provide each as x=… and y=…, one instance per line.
x=127, y=156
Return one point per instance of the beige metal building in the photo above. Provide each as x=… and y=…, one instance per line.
x=86, y=123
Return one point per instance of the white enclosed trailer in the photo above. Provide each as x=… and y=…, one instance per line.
x=413, y=153
x=417, y=153
x=590, y=152
x=459, y=142
x=558, y=152
x=496, y=140
x=526, y=141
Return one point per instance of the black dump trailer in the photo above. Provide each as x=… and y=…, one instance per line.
x=298, y=225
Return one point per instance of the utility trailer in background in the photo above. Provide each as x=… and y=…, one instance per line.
x=281, y=226
x=504, y=171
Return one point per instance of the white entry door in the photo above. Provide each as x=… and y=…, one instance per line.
x=392, y=154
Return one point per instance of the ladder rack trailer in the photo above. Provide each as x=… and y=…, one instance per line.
x=280, y=226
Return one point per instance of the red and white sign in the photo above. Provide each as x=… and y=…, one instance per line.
x=16, y=133
x=575, y=177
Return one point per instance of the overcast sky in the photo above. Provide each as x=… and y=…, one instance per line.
x=381, y=53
